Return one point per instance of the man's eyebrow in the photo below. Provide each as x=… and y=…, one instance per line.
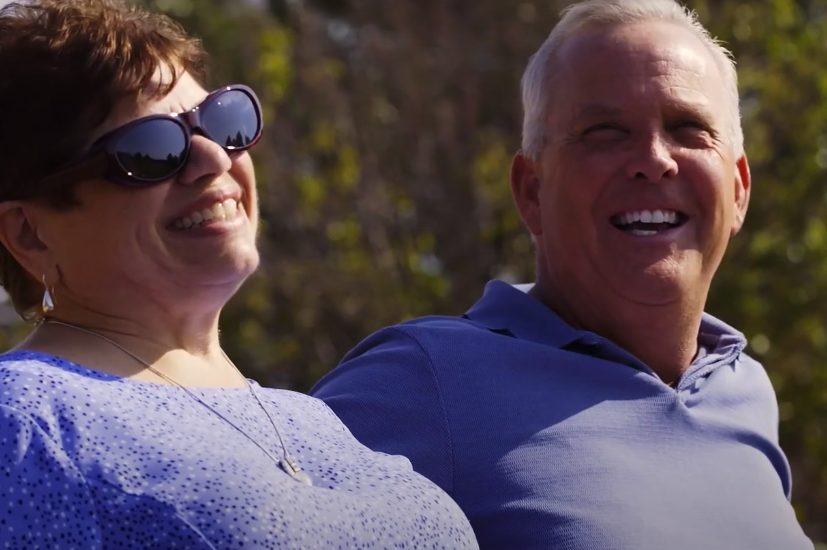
x=601, y=110
x=695, y=110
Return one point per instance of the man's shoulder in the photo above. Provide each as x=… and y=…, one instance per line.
x=757, y=378
x=427, y=335
x=426, y=353
x=439, y=324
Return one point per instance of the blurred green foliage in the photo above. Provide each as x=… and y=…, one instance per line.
x=383, y=181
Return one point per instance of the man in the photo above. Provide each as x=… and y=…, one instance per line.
x=601, y=408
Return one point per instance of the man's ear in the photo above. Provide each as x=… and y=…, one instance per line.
x=743, y=185
x=18, y=233
x=525, y=188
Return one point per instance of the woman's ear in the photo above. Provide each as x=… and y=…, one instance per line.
x=19, y=235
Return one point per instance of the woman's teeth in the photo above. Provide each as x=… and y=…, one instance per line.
x=220, y=211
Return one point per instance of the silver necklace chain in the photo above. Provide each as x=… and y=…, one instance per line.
x=286, y=462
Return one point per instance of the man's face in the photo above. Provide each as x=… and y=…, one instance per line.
x=637, y=190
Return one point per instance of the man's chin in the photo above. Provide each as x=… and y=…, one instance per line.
x=660, y=284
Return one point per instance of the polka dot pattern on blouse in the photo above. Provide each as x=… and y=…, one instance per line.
x=90, y=460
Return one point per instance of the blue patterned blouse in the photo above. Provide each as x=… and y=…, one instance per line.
x=91, y=460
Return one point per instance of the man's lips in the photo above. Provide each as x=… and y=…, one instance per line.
x=648, y=222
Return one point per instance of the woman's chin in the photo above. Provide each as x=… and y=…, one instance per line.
x=227, y=271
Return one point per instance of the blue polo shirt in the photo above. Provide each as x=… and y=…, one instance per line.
x=552, y=437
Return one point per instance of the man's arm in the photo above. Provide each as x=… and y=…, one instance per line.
x=386, y=392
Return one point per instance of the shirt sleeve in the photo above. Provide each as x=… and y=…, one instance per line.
x=386, y=392
x=44, y=501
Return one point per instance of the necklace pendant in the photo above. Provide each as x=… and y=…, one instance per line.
x=292, y=469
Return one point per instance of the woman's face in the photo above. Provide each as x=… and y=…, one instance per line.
x=157, y=245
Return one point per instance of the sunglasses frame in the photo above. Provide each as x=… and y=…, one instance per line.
x=101, y=161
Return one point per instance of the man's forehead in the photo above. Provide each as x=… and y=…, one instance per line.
x=627, y=48
x=601, y=68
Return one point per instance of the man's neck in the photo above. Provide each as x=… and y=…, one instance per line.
x=664, y=337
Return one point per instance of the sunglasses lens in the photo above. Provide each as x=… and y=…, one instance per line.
x=153, y=150
x=232, y=120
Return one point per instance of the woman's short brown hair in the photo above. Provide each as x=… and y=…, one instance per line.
x=64, y=66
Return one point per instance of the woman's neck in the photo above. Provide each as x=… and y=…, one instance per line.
x=188, y=354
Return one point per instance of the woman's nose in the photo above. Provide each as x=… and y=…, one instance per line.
x=207, y=159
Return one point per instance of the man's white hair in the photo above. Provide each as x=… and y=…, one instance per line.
x=538, y=78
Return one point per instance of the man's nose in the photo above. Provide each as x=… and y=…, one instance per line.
x=207, y=159
x=652, y=159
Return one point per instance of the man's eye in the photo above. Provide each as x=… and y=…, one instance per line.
x=694, y=131
x=605, y=132
x=690, y=126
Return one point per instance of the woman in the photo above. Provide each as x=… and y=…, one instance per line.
x=128, y=218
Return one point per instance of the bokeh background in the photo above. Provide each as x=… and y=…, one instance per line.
x=384, y=190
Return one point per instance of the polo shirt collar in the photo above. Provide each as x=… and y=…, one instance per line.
x=510, y=309
x=504, y=307
x=720, y=340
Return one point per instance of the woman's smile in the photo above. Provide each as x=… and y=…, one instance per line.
x=227, y=210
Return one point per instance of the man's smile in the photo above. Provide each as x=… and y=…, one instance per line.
x=648, y=222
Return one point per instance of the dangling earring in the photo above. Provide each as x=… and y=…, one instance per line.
x=48, y=303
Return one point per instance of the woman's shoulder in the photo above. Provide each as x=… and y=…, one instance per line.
x=25, y=366
x=35, y=381
x=28, y=364
x=293, y=401
x=307, y=414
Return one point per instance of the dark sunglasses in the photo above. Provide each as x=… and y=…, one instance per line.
x=152, y=149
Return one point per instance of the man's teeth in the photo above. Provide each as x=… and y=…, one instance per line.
x=220, y=211
x=645, y=223
x=649, y=216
